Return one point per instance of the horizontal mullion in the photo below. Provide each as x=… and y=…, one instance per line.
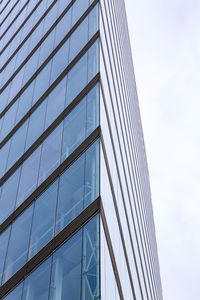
x=52, y=177
x=48, y=32
x=48, y=131
x=28, y=35
x=46, y=61
x=4, y=5
x=9, y=12
x=47, y=250
x=14, y=19
x=53, y=85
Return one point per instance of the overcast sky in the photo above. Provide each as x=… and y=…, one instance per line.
x=165, y=39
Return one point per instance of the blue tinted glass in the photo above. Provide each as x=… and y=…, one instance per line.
x=90, y=267
x=78, y=39
x=46, y=47
x=30, y=67
x=70, y=196
x=9, y=120
x=8, y=195
x=3, y=249
x=9, y=70
x=55, y=102
x=72, y=272
x=29, y=175
x=62, y=6
x=4, y=155
x=74, y=129
x=22, y=53
x=78, y=9
x=16, y=294
x=51, y=17
x=36, y=124
x=1, y=122
x=16, y=84
x=43, y=219
x=63, y=27
x=80, y=122
x=91, y=186
x=17, y=145
x=51, y=152
x=93, y=61
x=93, y=21
x=36, y=285
x=92, y=110
x=4, y=98
x=42, y=82
x=18, y=244
x=78, y=186
x=66, y=270
x=36, y=36
x=25, y=102
x=77, y=79
x=60, y=61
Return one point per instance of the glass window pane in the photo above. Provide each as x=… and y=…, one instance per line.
x=74, y=129
x=4, y=155
x=60, y=61
x=63, y=27
x=90, y=267
x=36, y=124
x=25, y=102
x=50, y=18
x=8, y=195
x=55, y=102
x=9, y=120
x=78, y=186
x=46, y=47
x=3, y=249
x=78, y=9
x=62, y=6
x=91, y=186
x=92, y=110
x=16, y=294
x=17, y=145
x=66, y=270
x=42, y=82
x=72, y=272
x=29, y=175
x=36, y=36
x=43, y=219
x=4, y=98
x=93, y=61
x=51, y=152
x=78, y=39
x=70, y=195
x=93, y=21
x=31, y=67
x=16, y=84
x=36, y=285
x=18, y=244
x=77, y=79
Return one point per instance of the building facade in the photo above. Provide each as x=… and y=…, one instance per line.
x=76, y=219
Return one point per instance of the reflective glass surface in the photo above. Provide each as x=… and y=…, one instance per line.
x=73, y=270
x=71, y=132
x=49, y=109
x=48, y=45
x=62, y=201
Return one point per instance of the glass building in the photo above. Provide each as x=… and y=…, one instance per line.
x=76, y=219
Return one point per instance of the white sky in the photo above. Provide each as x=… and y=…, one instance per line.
x=165, y=39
